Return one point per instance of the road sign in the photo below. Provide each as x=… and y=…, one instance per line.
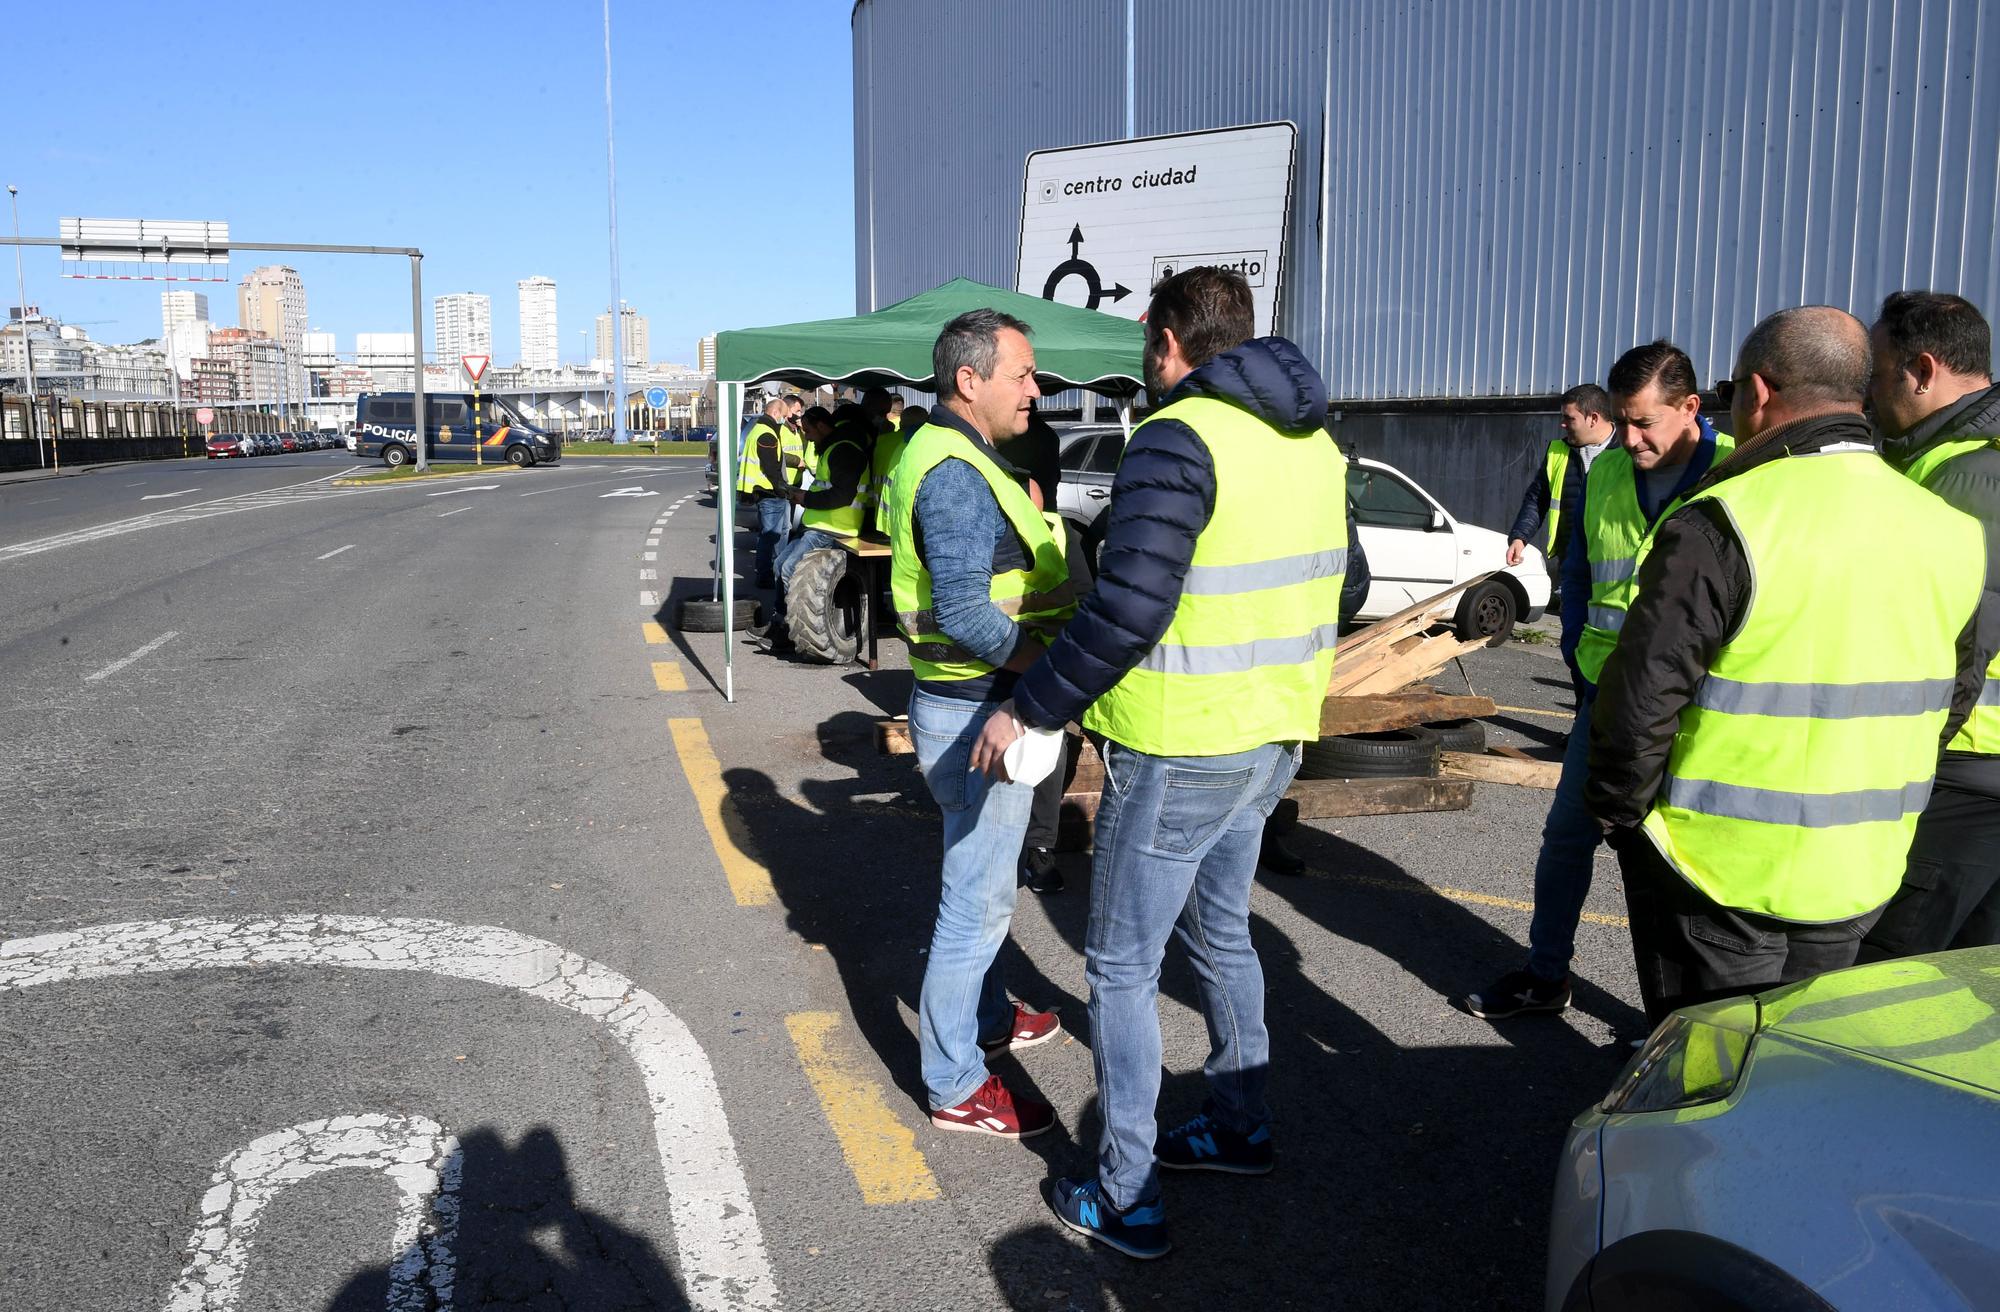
x=1101, y=226
x=474, y=365
x=204, y=416
x=656, y=397
x=145, y=241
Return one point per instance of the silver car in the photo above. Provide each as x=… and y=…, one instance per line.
x=1833, y=1144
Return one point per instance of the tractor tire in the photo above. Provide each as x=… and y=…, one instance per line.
x=1397, y=754
x=700, y=615
x=827, y=609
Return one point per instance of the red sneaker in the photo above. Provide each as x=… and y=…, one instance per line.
x=992, y=1110
x=1029, y=1028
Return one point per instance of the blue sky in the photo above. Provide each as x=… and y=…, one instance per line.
x=472, y=131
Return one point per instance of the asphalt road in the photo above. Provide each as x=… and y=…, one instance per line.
x=388, y=926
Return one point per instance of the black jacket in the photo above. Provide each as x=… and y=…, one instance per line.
x=1161, y=500
x=1535, y=502
x=1970, y=482
x=845, y=468
x=1694, y=591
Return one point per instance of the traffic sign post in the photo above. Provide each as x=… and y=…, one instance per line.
x=203, y=416
x=475, y=368
x=656, y=401
x=1099, y=223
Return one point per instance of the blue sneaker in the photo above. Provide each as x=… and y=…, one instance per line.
x=1139, y=1231
x=1205, y=1144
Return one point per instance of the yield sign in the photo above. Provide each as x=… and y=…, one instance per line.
x=474, y=365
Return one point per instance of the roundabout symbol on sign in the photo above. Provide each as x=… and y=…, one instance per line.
x=1078, y=267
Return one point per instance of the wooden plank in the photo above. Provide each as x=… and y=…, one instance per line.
x=1381, y=628
x=1419, y=662
x=1330, y=799
x=892, y=737
x=1494, y=768
x=865, y=548
x=1397, y=711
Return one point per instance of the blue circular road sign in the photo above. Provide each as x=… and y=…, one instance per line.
x=656, y=397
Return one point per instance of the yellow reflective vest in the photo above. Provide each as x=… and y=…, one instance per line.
x=1556, y=465
x=1795, y=780
x=1981, y=731
x=844, y=521
x=1039, y=597
x=1615, y=530
x=1249, y=652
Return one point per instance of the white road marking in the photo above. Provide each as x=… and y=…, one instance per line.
x=652, y=542
x=413, y=1151
x=335, y=552
x=449, y=513
x=313, y=489
x=645, y=574
x=454, y=491
x=715, y=1225
x=650, y=600
x=167, y=496
x=122, y=662
x=628, y=492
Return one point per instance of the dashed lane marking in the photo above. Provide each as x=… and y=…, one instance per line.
x=335, y=552
x=650, y=555
x=748, y=880
x=715, y=1227
x=650, y=600
x=123, y=661
x=656, y=633
x=167, y=496
x=667, y=677
x=646, y=574
x=454, y=491
x=449, y=513
x=881, y=1151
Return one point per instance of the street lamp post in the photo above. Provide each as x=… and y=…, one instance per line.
x=617, y=306
x=27, y=348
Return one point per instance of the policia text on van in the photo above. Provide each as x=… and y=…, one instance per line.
x=385, y=430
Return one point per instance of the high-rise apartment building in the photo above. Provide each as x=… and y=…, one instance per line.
x=704, y=355
x=271, y=302
x=187, y=341
x=463, y=325
x=181, y=307
x=541, y=348
x=259, y=364
x=635, y=339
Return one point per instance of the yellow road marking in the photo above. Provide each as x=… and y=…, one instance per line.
x=656, y=632
x=1467, y=895
x=667, y=677
x=881, y=1151
x=1529, y=710
x=748, y=879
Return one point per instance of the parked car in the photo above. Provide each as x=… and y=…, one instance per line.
x=1416, y=548
x=1826, y=1146
x=224, y=447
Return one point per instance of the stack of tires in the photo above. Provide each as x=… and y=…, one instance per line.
x=1412, y=753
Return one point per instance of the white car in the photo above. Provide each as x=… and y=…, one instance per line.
x=1416, y=548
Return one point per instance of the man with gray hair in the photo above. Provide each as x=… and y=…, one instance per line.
x=981, y=587
x=1767, y=728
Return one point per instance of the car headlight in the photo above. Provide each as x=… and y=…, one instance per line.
x=1696, y=1056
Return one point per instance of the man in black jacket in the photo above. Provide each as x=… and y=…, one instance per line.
x=1939, y=414
x=1586, y=429
x=1798, y=390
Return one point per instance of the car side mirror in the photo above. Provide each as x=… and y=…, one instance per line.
x=1438, y=523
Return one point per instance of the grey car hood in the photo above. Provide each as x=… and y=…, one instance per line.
x=1939, y=1014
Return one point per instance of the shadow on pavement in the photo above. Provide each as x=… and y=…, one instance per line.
x=525, y=1241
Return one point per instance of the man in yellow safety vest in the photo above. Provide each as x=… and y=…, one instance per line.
x=1939, y=414
x=1766, y=728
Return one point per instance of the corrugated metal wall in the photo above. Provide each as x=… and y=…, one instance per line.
x=1516, y=190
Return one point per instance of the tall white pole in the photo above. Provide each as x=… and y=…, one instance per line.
x=617, y=306
x=27, y=349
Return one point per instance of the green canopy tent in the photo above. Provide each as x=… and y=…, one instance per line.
x=1074, y=348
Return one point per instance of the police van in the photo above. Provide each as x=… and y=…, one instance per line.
x=385, y=430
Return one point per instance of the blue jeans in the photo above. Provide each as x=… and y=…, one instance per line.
x=1177, y=841
x=965, y=992
x=1570, y=837
x=795, y=551
x=774, y=520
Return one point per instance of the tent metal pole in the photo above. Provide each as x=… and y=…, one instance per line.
x=725, y=541
x=1125, y=416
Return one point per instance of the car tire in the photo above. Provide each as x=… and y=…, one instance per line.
x=1395, y=754
x=826, y=608
x=395, y=456
x=700, y=615
x=1460, y=735
x=519, y=457
x=1487, y=612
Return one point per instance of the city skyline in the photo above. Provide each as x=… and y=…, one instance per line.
x=702, y=246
